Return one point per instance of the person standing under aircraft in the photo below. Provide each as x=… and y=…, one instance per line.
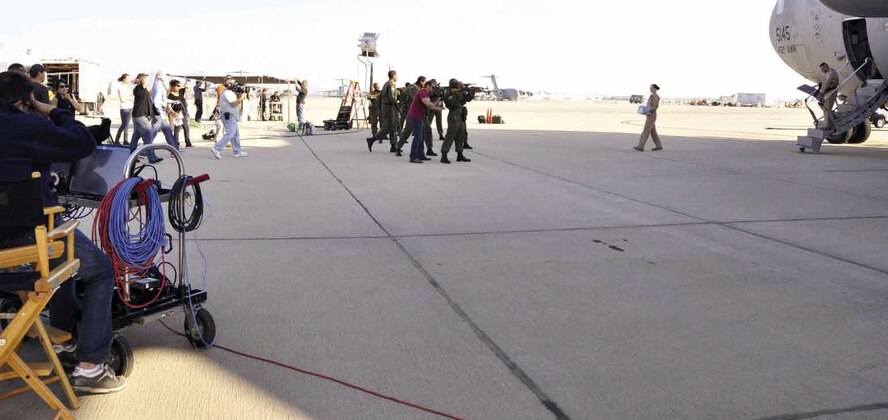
x=650, y=122
x=827, y=93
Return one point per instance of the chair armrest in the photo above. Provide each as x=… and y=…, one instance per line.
x=64, y=230
x=58, y=276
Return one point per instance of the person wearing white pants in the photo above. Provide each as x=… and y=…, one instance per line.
x=229, y=107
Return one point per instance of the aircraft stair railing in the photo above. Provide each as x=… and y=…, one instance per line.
x=850, y=115
x=811, y=96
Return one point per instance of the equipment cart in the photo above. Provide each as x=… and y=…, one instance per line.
x=155, y=293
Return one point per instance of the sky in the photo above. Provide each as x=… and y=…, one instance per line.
x=691, y=48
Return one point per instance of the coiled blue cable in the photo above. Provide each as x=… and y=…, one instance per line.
x=136, y=249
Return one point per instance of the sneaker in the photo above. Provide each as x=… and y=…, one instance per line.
x=102, y=381
x=67, y=355
x=240, y=154
x=216, y=153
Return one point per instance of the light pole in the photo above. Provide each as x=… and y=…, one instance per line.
x=367, y=44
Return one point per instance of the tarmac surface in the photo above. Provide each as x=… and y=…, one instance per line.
x=558, y=273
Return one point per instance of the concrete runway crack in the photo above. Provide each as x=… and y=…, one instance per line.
x=513, y=367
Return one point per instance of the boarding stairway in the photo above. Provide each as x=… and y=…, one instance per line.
x=858, y=108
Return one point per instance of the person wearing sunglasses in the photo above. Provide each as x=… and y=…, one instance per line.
x=65, y=100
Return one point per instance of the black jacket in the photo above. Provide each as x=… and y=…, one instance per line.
x=31, y=143
x=143, y=106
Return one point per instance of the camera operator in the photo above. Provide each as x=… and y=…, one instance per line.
x=30, y=143
x=455, y=100
x=229, y=108
x=390, y=117
x=417, y=117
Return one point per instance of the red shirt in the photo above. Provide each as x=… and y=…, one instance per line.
x=417, y=108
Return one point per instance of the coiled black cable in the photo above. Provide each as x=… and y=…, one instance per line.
x=177, y=206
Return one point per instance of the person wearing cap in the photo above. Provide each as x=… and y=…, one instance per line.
x=38, y=79
x=650, y=122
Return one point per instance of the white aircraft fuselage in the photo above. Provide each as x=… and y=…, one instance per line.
x=806, y=33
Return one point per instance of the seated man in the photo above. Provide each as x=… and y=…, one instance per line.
x=29, y=143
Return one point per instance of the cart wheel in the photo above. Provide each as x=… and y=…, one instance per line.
x=206, y=328
x=122, y=360
x=11, y=305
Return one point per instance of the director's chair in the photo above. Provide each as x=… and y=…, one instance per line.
x=21, y=210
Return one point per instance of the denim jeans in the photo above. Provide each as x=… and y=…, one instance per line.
x=142, y=130
x=183, y=128
x=162, y=124
x=416, y=148
x=93, y=315
x=125, y=116
x=232, y=134
x=300, y=114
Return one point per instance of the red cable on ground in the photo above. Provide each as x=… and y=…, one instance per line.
x=325, y=377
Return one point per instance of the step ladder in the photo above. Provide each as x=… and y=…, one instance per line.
x=868, y=98
x=350, y=110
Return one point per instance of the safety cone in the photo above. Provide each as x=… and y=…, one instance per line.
x=490, y=115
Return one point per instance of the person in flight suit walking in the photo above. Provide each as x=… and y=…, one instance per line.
x=373, y=108
x=650, y=122
x=390, y=114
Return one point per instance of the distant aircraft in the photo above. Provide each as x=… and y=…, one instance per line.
x=502, y=94
x=851, y=36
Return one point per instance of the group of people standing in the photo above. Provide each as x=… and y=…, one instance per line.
x=411, y=110
x=158, y=107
